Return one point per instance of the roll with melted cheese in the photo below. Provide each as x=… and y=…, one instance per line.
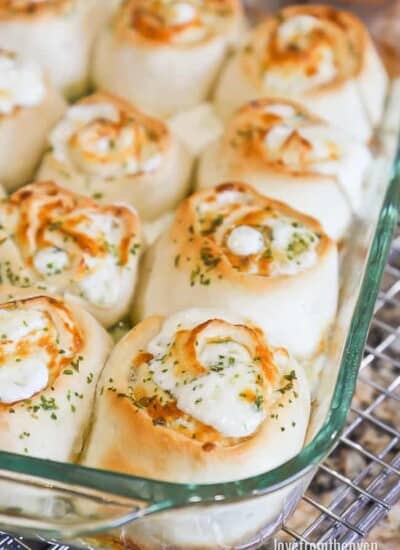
x=231, y=247
x=182, y=398
x=29, y=107
x=66, y=243
x=287, y=153
x=317, y=54
x=198, y=397
x=107, y=149
x=51, y=354
x=165, y=55
x=57, y=34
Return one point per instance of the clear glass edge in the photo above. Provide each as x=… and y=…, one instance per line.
x=159, y=495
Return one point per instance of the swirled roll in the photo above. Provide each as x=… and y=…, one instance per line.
x=317, y=54
x=29, y=108
x=58, y=34
x=107, y=149
x=193, y=398
x=231, y=247
x=54, y=239
x=287, y=153
x=51, y=354
x=165, y=56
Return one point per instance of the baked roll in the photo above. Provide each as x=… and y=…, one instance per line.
x=66, y=243
x=29, y=108
x=165, y=56
x=182, y=398
x=58, y=34
x=319, y=55
x=287, y=153
x=230, y=247
x=107, y=149
x=198, y=397
x=52, y=353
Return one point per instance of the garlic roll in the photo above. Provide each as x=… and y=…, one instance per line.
x=318, y=55
x=29, y=107
x=51, y=354
x=230, y=247
x=286, y=153
x=164, y=56
x=57, y=34
x=106, y=148
x=192, y=398
x=54, y=239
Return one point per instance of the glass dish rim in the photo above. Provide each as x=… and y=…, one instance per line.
x=160, y=495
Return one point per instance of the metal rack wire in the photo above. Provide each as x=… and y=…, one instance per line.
x=360, y=481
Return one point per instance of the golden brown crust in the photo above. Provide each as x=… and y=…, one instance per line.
x=42, y=205
x=244, y=142
x=28, y=10
x=343, y=32
x=164, y=411
x=199, y=253
x=146, y=23
x=144, y=126
x=133, y=428
x=58, y=316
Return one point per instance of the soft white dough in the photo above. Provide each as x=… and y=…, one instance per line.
x=61, y=42
x=23, y=138
x=185, y=77
x=137, y=69
x=197, y=127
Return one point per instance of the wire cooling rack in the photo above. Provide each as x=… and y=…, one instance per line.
x=359, y=482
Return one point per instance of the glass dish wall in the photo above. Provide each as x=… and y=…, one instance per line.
x=72, y=503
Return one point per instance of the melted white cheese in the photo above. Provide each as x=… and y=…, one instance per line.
x=291, y=259
x=50, y=261
x=20, y=381
x=213, y=398
x=22, y=377
x=21, y=84
x=179, y=13
x=100, y=286
x=245, y=240
x=295, y=27
x=17, y=324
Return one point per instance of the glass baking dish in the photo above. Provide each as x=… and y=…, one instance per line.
x=75, y=504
